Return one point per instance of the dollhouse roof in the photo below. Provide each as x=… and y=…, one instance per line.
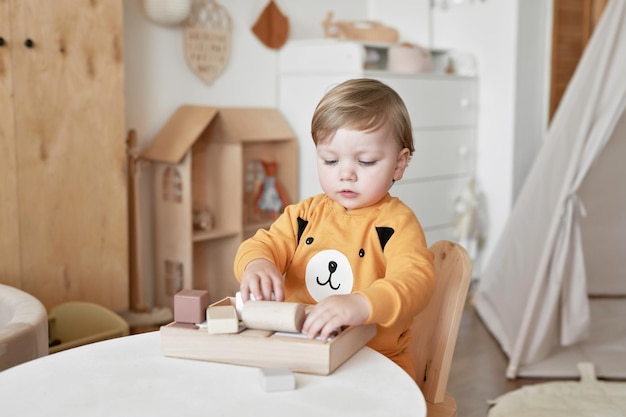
x=232, y=125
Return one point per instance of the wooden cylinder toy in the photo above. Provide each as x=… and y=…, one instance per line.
x=273, y=315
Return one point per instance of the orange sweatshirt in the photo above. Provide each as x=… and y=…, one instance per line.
x=379, y=252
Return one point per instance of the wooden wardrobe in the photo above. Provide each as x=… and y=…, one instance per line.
x=572, y=26
x=63, y=202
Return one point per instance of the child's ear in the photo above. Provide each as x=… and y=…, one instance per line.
x=401, y=163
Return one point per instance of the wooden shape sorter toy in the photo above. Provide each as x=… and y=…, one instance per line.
x=190, y=306
x=222, y=319
x=264, y=348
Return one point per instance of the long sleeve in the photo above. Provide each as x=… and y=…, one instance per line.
x=277, y=244
x=408, y=281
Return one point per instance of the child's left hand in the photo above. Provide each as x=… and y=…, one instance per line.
x=334, y=312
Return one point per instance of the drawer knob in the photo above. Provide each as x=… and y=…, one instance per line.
x=463, y=151
x=29, y=43
x=464, y=103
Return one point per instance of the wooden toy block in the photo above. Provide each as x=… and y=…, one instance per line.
x=277, y=379
x=222, y=319
x=264, y=349
x=190, y=306
x=274, y=315
x=239, y=304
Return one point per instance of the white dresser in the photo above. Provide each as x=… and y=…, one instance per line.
x=443, y=113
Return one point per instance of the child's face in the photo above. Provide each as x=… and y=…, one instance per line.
x=357, y=168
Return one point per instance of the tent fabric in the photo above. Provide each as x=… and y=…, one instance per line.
x=533, y=294
x=605, y=347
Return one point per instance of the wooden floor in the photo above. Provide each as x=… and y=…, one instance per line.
x=478, y=368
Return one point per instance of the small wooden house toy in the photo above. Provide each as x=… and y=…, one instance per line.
x=206, y=182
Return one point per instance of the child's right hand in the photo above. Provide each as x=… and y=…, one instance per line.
x=261, y=278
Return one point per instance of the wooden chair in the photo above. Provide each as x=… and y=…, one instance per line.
x=434, y=330
x=77, y=323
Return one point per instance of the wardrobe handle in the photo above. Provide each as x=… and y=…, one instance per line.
x=29, y=43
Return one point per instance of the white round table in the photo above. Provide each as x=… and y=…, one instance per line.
x=129, y=376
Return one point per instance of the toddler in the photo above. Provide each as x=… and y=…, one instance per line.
x=355, y=251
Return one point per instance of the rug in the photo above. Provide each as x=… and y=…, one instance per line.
x=587, y=398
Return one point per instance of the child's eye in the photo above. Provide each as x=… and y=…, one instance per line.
x=367, y=163
x=330, y=161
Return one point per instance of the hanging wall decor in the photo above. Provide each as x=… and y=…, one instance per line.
x=272, y=27
x=208, y=39
x=167, y=12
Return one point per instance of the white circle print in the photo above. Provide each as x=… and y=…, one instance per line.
x=328, y=273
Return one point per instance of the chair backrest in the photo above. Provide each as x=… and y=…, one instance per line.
x=435, y=329
x=23, y=327
x=77, y=323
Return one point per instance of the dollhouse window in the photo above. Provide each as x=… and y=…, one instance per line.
x=173, y=277
x=172, y=185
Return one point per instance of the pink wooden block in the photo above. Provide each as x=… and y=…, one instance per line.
x=190, y=306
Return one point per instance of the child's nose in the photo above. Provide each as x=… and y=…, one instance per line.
x=347, y=172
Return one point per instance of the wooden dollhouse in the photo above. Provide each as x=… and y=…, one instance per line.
x=210, y=173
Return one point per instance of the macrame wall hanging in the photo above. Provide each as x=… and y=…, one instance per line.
x=208, y=31
x=208, y=39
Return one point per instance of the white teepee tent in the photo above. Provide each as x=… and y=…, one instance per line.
x=566, y=236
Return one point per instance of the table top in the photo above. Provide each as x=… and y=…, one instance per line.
x=130, y=376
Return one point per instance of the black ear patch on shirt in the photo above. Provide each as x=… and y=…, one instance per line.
x=384, y=234
x=301, y=226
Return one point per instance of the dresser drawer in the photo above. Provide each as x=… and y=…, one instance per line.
x=432, y=201
x=441, y=153
x=436, y=101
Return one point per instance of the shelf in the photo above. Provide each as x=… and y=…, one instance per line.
x=251, y=228
x=201, y=235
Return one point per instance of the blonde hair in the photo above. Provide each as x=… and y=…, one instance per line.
x=362, y=104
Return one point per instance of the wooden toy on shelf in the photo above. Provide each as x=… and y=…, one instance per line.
x=364, y=30
x=203, y=219
x=271, y=196
x=264, y=348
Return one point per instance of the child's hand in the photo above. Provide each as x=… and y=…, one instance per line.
x=333, y=312
x=261, y=278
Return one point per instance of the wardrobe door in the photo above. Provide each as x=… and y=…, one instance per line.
x=70, y=145
x=9, y=230
x=572, y=25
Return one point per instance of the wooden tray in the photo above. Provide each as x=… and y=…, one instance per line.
x=263, y=348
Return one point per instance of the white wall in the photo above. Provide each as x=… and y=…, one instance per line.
x=508, y=39
x=488, y=30
x=532, y=85
x=411, y=18
x=158, y=79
